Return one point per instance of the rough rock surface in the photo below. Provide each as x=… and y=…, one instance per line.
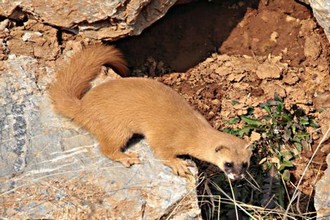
x=94, y=19
x=321, y=10
x=52, y=169
x=322, y=195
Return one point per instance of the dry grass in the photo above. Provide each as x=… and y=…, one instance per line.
x=292, y=210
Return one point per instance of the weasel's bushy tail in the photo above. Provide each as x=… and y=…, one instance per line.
x=73, y=80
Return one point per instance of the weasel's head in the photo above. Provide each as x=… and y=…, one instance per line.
x=233, y=157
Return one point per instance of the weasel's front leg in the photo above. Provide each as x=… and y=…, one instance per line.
x=178, y=166
x=166, y=155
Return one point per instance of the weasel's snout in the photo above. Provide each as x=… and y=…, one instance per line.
x=235, y=177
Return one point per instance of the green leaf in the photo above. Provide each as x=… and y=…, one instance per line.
x=287, y=155
x=285, y=164
x=251, y=121
x=300, y=136
x=304, y=120
x=313, y=123
x=294, y=129
x=298, y=146
x=244, y=131
x=229, y=130
x=233, y=121
x=286, y=175
x=286, y=118
x=267, y=108
x=279, y=107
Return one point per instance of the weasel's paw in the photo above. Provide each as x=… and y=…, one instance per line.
x=129, y=159
x=179, y=167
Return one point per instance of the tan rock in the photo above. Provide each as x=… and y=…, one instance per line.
x=270, y=69
x=322, y=100
x=270, y=88
x=95, y=19
x=291, y=78
x=312, y=47
x=325, y=122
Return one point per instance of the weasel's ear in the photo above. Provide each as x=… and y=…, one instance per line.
x=221, y=148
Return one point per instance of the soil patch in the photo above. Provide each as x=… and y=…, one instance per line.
x=187, y=35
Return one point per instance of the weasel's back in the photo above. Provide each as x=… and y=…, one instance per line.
x=140, y=101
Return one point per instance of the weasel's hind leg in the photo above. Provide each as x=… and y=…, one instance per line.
x=112, y=148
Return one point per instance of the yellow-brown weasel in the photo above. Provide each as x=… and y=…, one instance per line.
x=117, y=109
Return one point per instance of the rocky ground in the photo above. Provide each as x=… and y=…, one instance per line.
x=213, y=53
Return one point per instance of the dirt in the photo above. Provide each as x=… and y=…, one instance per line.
x=189, y=34
x=214, y=53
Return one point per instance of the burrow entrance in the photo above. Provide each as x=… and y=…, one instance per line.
x=189, y=33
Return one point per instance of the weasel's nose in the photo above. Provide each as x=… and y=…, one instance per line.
x=235, y=177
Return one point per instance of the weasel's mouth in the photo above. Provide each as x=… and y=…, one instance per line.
x=232, y=176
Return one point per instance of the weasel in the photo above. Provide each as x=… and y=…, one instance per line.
x=117, y=109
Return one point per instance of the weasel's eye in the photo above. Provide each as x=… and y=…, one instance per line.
x=228, y=165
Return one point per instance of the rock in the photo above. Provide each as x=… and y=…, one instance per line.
x=4, y=24
x=52, y=169
x=322, y=195
x=322, y=100
x=106, y=20
x=321, y=11
x=304, y=1
x=271, y=88
x=297, y=96
x=274, y=36
x=325, y=121
x=236, y=77
x=312, y=47
x=291, y=78
x=34, y=39
x=269, y=70
x=223, y=70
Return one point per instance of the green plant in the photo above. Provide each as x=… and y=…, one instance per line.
x=280, y=135
x=283, y=133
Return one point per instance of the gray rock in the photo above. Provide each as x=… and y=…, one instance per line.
x=52, y=169
x=321, y=11
x=322, y=195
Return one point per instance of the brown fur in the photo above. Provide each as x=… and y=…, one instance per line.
x=117, y=109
